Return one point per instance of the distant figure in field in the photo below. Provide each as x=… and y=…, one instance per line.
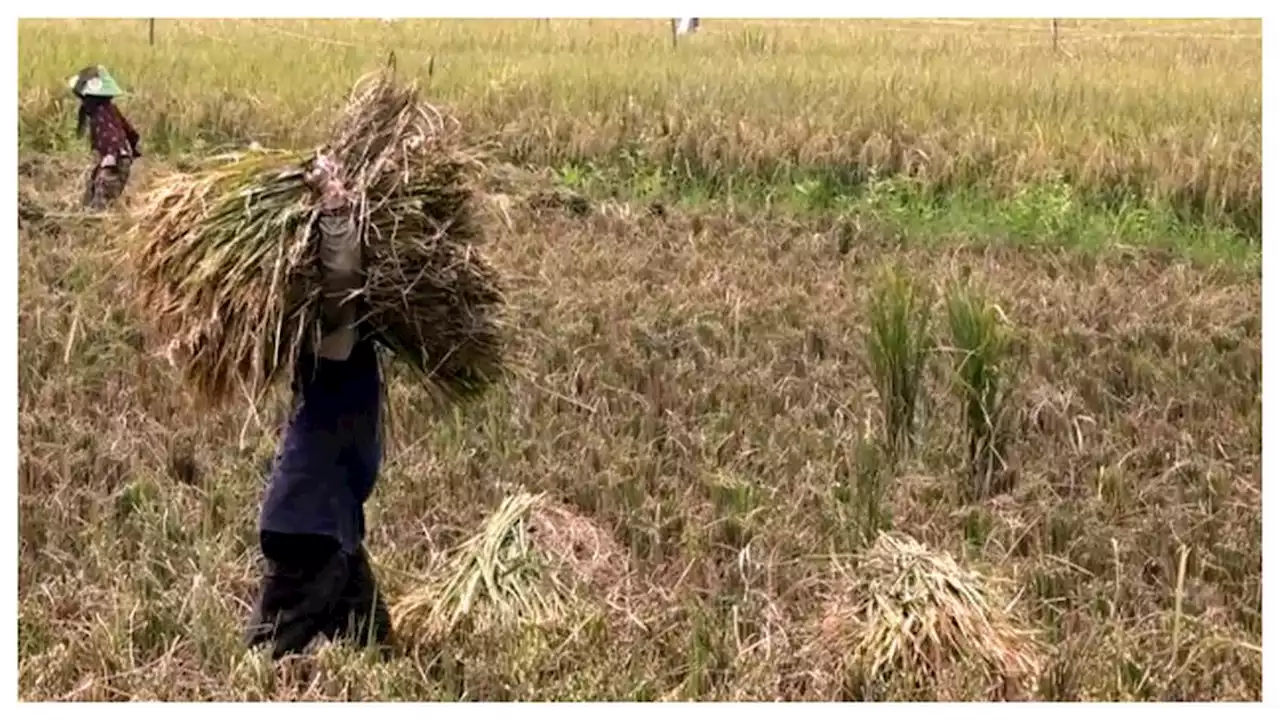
x=687, y=26
x=111, y=136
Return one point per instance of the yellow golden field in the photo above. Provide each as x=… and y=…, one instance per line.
x=751, y=322
x=1140, y=111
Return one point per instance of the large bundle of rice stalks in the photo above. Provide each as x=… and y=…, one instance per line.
x=533, y=565
x=912, y=624
x=227, y=263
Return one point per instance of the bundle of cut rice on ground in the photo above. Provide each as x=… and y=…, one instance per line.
x=912, y=624
x=227, y=264
x=533, y=564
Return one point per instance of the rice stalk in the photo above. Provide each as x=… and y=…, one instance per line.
x=898, y=345
x=982, y=378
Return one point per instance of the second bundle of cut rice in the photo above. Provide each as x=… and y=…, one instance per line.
x=911, y=623
x=227, y=268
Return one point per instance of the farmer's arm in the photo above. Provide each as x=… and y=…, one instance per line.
x=132, y=136
x=340, y=265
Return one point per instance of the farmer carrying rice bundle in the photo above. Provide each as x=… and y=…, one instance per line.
x=318, y=578
x=260, y=265
x=111, y=136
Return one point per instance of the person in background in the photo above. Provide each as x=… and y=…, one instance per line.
x=114, y=141
x=317, y=579
x=687, y=26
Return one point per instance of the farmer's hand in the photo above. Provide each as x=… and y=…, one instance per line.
x=324, y=177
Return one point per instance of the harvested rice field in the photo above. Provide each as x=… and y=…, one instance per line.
x=853, y=360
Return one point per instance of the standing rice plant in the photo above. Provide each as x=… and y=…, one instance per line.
x=982, y=380
x=898, y=346
x=874, y=512
x=861, y=493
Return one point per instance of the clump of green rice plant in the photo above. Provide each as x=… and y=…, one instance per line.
x=898, y=347
x=874, y=512
x=982, y=379
x=910, y=622
x=227, y=267
x=862, y=493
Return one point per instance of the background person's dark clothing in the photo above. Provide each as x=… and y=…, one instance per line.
x=115, y=144
x=110, y=132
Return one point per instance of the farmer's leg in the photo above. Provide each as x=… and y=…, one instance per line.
x=307, y=536
x=90, y=187
x=120, y=181
x=362, y=615
x=111, y=182
x=105, y=179
x=301, y=587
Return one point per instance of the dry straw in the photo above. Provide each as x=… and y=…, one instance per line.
x=533, y=565
x=226, y=262
x=911, y=623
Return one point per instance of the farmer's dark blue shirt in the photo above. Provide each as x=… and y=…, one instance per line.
x=328, y=459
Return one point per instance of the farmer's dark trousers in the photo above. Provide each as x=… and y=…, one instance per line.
x=312, y=588
x=317, y=579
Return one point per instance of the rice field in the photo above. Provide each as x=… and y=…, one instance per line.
x=1138, y=112
x=841, y=338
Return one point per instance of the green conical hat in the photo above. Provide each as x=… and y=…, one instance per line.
x=94, y=81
